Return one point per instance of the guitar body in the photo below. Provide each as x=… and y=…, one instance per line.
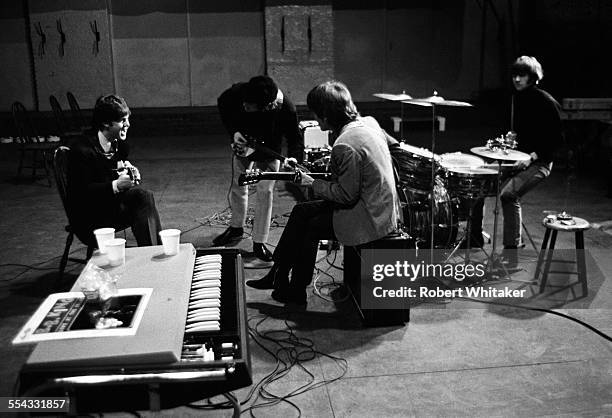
x=255, y=150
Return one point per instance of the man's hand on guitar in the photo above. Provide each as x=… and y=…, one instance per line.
x=289, y=163
x=238, y=144
x=124, y=182
x=241, y=146
x=305, y=179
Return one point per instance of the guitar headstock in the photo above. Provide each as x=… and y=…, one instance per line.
x=249, y=177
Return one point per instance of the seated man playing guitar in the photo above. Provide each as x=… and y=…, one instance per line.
x=102, y=184
x=357, y=205
x=257, y=112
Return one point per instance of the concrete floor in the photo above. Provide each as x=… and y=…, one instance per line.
x=454, y=358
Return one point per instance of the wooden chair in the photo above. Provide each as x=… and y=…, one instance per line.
x=60, y=168
x=78, y=120
x=64, y=129
x=28, y=139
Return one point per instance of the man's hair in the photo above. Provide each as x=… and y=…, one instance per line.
x=261, y=90
x=108, y=109
x=526, y=65
x=332, y=101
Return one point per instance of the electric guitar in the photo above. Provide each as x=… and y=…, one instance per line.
x=255, y=176
x=131, y=171
x=255, y=149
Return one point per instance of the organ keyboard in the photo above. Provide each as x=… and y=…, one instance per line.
x=191, y=342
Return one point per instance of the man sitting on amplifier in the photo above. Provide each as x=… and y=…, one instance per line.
x=256, y=111
x=102, y=185
x=358, y=205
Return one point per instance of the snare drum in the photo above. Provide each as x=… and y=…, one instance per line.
x=471, y=183
x=460, y=160
x=414, y=166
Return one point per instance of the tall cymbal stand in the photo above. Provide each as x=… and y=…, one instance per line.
x=432, y=102
x=499, y=156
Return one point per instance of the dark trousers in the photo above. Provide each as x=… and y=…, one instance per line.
x=510, y=196
x=297, y=248
x=134, y=207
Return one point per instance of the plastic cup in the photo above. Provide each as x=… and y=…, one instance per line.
x=102, y=236
x=115, y=251
x=170, y=240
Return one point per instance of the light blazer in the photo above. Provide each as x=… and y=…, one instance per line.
x=362, y=185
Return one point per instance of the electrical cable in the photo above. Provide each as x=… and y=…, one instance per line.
x=289, y=351
x=530, y=308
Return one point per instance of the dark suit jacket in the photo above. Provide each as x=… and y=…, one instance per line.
x=91, y=200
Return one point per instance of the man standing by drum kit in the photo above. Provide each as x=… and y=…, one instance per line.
x=535, y=117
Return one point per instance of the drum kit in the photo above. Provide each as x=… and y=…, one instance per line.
x=431, y=185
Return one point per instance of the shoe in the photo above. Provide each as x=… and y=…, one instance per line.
x=275, y=278
x=290, y=296
x=261, y=251
x=231, y=235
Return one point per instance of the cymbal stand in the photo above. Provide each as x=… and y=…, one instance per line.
x=493, y=258
x=468, y=231
x=432, y=198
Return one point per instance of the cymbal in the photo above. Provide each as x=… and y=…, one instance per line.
x=393, y=97
x=502, y=155
x=437, y=101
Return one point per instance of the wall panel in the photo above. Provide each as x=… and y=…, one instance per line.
x=15, y=70
x=79, y=67
x=150, y=52
x=224, y=48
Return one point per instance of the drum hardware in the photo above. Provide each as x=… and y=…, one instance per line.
x=433, y=102
x=499, y=156
x=503, y=142
x=396, y=98
x=416, y=209
x=317, y=160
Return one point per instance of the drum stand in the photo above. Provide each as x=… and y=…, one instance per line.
x=494, y=259
x=468, y=231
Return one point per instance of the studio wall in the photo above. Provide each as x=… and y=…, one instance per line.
x=15, y=70
x=68, y=55
x=169, y=53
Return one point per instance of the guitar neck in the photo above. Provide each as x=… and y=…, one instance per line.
x=288, y=175
x=252, y=178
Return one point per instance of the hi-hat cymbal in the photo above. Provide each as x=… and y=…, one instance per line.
x=393, y=97
x=437, y=101
x=501, y=155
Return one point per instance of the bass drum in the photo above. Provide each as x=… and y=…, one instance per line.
x=416, y=208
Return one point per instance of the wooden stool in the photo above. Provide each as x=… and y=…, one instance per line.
x=553, y=225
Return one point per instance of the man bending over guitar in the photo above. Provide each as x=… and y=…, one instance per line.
x=102, y=184
x=357, y=205
x=257, y=111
